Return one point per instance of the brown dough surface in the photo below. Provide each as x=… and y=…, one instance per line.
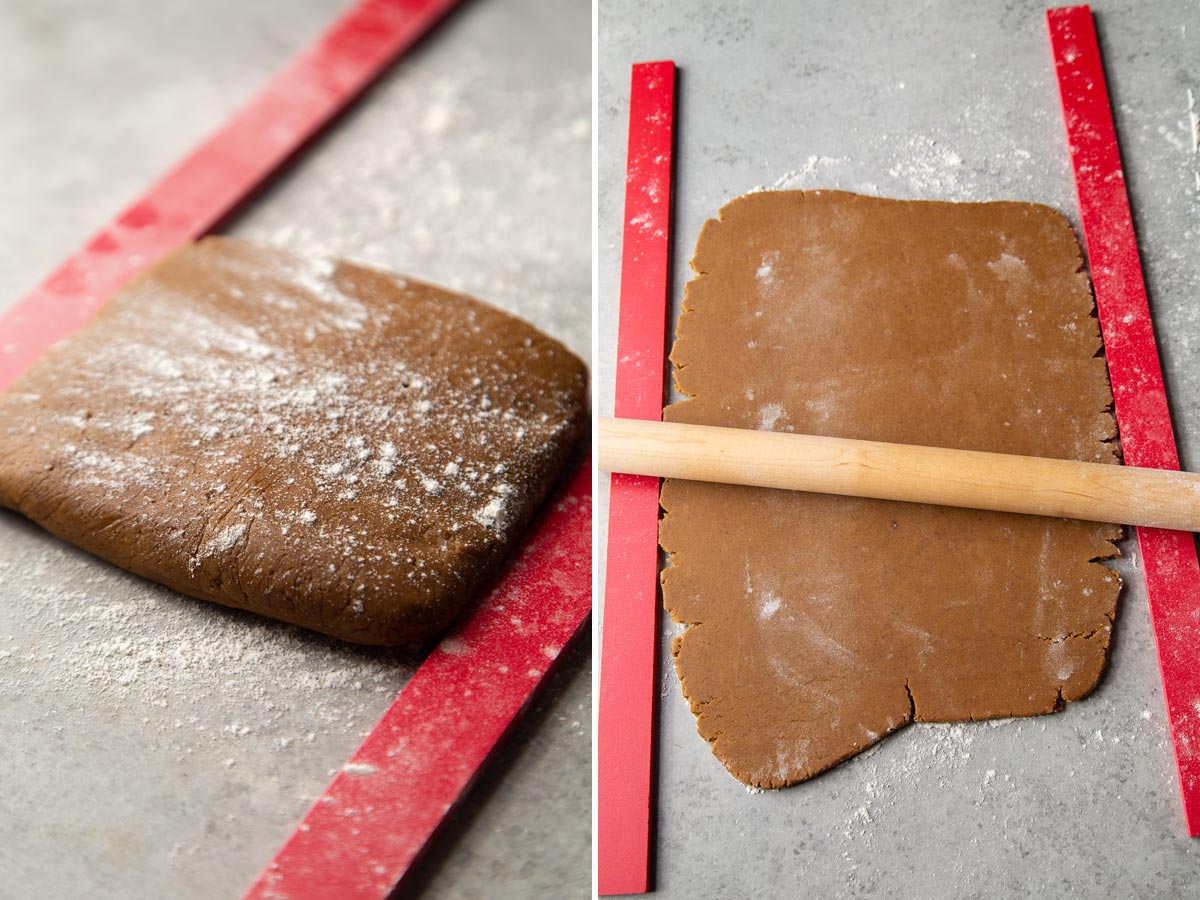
x=821, y=623
x=318, y=442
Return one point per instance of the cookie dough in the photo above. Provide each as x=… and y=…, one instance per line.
x=319, y=442
x=819, y=624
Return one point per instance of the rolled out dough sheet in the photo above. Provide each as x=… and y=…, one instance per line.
x=819, y=624
x=311, y=440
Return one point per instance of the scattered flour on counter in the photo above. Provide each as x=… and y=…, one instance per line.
x=800, y=177
x=219, y=675
x=924, y=167
x=927, y=166
x=876, y=782
x=1194, y=122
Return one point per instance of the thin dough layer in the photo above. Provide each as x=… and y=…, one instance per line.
x=819, y=624
x=319, y=442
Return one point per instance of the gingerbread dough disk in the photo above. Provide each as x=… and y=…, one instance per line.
x=322, y=443
x=822, y=623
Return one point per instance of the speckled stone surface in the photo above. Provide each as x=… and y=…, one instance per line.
x=157, y=746
x=924, y=101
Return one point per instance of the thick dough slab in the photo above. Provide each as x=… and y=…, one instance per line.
x=821, y=623
x=322, y=443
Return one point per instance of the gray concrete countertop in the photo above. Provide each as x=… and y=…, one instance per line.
x=155, y=746
x=936, y=100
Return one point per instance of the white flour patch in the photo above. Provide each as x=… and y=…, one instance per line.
x=820, y=408
x=491, y=515
x=1059, y=663
x=1194, y=122
x=768, y=605
x=766, y=271
x=768, y=415
x=1009, y=268
x=226, y=540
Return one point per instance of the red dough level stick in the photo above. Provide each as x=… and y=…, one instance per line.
x=378, y=815
x=628, y=662
x=1147, y=438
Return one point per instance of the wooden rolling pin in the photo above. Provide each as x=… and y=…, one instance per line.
x=1098, y=492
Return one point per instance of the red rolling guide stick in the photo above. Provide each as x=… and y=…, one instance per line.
x=628, y=662
x=1147, y=438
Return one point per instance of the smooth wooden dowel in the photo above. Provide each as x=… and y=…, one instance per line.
x=1098, y=492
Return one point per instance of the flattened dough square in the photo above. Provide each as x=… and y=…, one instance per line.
x=819, y=624
x=319, y=442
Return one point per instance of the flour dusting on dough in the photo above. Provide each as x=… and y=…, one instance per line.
x=768, y=415
x=768, y=605
x=1009, y=268
x=226, y=540
x=766, y=270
